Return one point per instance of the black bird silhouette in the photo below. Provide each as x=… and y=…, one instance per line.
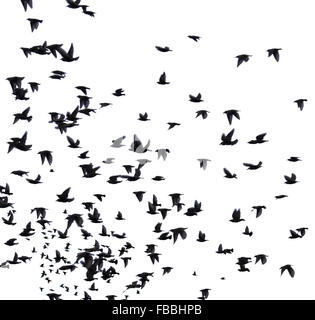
x=258, y=139
x=300, y=103
x=251, y=166
x=227, y=139
x=204, y=294
x=34, y=23
x=157, y=228
x=89, y=171
x=261, y=257
x=166, y=270
x=195, y=38
x=34, y=86
x=46, y=155
x=87, y=12
x=162, y=79
x=11, y=242
x=275, y=53
x=67, y=56
x=179, y=231
x=287, y=267
x=242, y=58
x=99, y=196
x=294, y=159
x=232, y=113
x=302, y=231
x=73, y=144
x=83, y=89
x=201, y=237
x=139, y=195
x=15, y=259
x=163, y=49
x=73, y=4
x=83, y=155
x=20, y=173
x=64, y=196
x=35, y=181
x=294, y=235
x=259, y=210
x=19, y=143
x=143, y=117
x=4, y=202
x=27, y=3
x=196, y=98
x=281, y=196
x=229, y=175
x=171, y=125
x=290, y=180
x=247, y=232
x=6, y=190
x=119, y=92
x=202, y=113
x=236, y=216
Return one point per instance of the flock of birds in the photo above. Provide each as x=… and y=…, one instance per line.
x=100, y=261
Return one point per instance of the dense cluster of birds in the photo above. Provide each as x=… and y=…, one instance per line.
x=100, y=261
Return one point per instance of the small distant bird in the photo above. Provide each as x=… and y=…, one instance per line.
x=288, y=267
x=84, y=89
x=204, y=294
x=34, y=23
x=119, y=92
x=196, y=98
x=87, y=12
x=162, y=49
x=275, y=53
x=162, y=153
x=227, y=139
x=300, y=103
x=73, y=144
x=117, y=142
x=83, y=155
x=34, y=86
x=258, y=139
x=166, y=270
x=139, y=195
x=20, y=173
x=229, y=175
x=294, y=159
x=202, y=113
x=203, y=163
x=230, y=114
x=261, y=257
x=247, y=232
x=64, y=196
x=73, y=4
x=281, y=196
x=201, y=237
x=242, y=58
x=27, y=3
x=67, y=56
x=162, y=79
x=195, y=38
x=46, y=155
x=23, y=116
x=171, y=125
x=143, y=116
x=290, y=180
x=253, y=166
x=259, y=210
x=34, y=181
x=236, y=216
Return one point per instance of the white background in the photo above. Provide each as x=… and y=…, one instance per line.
x=117, y=50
